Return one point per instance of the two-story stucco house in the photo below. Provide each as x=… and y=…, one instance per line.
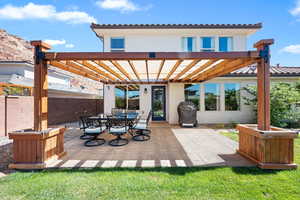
x=218, y=100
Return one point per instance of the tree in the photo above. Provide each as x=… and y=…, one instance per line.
x=283, y=98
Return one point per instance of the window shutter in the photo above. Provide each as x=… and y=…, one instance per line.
x=229, y=44
x=194, y=44
x=183, y=44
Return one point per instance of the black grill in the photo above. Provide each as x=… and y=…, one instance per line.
x=187, y=113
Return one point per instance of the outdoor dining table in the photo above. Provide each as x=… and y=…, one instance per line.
x=130, y=117
x=103, y=116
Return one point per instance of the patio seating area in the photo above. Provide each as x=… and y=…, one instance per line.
x=169, y=146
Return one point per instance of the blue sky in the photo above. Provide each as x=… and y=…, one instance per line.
x=67, y=21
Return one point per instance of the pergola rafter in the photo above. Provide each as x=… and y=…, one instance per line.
x=134, y=70
x=200, y=69
x=108, y=69
x=79, y=67
x=72, y=70
x=186, y=69
x=97, y=70
x=147, y=69
x=120, y=68
x=160, y=68
x=173, y=69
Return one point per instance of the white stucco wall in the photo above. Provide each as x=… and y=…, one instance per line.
x=175, y=94
x=170, y=41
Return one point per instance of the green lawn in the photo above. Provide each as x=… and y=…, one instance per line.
x=158, y=183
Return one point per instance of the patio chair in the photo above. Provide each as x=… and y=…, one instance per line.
x=94, y=131
x=85, y=123
x=141, y=130
x=118, y=126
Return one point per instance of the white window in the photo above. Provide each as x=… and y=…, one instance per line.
x=232, y=96
x=207, y=44
x=189, y=44
x=212, y=96
x=117, y=44
x=225, y=44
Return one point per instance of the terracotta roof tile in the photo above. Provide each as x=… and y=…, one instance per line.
x=176, y=26
x=274, y=70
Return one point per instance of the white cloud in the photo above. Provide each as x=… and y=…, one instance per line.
x=55, y=42
x=59, y=42
x=295, y=49
x=120, y=5
x=296, y=11
x=69, y=46
x=35, y=11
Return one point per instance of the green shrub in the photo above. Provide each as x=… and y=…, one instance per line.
x=283, y=98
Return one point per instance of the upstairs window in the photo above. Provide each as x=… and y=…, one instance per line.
x=192, y=93
x=189, y=44
x=207, y=44
x=225, y=44
x=117, y=44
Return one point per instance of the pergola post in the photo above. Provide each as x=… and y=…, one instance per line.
x=40, y=86
x=263, y=84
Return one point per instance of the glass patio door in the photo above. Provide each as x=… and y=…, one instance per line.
x=158, y=103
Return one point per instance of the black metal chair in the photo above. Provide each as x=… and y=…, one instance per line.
x=141, y=129
x=85, y=123
x=94, y=131
x=118, y=126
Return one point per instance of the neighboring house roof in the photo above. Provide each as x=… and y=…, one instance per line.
x=274, y=71
x=176, y=26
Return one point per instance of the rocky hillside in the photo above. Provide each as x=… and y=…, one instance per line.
x=14, y=48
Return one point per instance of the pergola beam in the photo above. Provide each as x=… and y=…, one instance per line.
x=148, y=55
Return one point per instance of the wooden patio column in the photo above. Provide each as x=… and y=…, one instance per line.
x=40, y=86
x=263, y=84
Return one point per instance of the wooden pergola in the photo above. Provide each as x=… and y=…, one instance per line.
x=150, y=68
x=268, y=146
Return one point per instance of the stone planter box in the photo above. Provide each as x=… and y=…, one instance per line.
x=272, y=149
x=36, y=149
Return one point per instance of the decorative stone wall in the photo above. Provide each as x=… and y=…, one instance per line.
x=6, y=154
